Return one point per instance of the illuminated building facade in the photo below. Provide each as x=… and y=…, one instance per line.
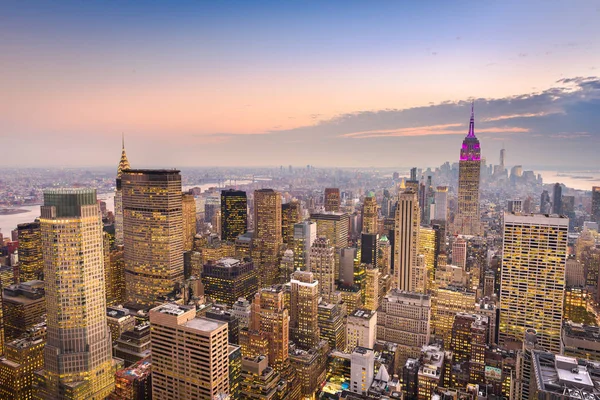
x=441, y=203
x=406, y=242
x=267, y=224
x=23, y=306
x=133, y=345
x=449, y=301
x=190, y=355
x=332, y=200
x=361, y=329
x=429, y=248
x=21, y=358
x=31, y=262
x=466, y=221
x=291, y=214
x=468, y=344
x=369, y=215
x=188, y=209
x=322, y=265
x=459, y=253
x=331, y=324
x=134, y=382
x=305, y=233
x=228, y=279
x=304, y=303
x=404, y=318
x=123, y=165
x=533, y=278
x=114, y=271
x=234, y=214
x=335, y=227
x=372, y=288
x=153, y=234
x=78, y=362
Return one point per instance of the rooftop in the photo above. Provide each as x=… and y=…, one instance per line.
x=204, y=324
x=362, y=313
x=576, y=378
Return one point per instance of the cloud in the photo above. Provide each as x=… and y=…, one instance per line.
x=430, y=130
x=514, y=116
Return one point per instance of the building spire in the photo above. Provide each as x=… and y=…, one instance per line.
x=124, y=162
x=472, y=123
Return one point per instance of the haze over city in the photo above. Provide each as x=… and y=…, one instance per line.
x=344, y=84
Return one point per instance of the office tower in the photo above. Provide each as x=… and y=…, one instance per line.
x=268, y=331
x=372, y=288
x=22, y=358
x=123, y=166
x=133, y=382
x=427, y=202
x=332, y=200
x=286, y=267
x=468, y=344
x=267, y=224
x=78, y=351
x=291, y=214
x=384, y=258
x=429, y=249
x=466, y=221
x=188, y=210
x=153, y=234
x=361, y=329
x=228, y=279
x=450, y=300
x=235, y=371
x=114, y=272
x=404, y=318
x=369, y=248
x=134, y=345
x=502, y=157
x=459, y=253
x=348, y=258
x=305, y=233
x=335, y=227
x=190, y=356
x=322, y=262
x=241, y=309
x=310, y=368
x=533, y=278
x=406, y=240
x=489, y=284
x=304, y=303
x=31, y=262
x=441, y=203
x=595, y=204
x=557, y=199
x=222, y=313
x=119, y=321
x=332, y=328
x=545, y=203
x=23, y=307
x=259, y=380
x=369, y=215
x=234, y=214
x=362, y=369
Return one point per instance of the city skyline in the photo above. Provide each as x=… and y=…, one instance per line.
x=202, y=84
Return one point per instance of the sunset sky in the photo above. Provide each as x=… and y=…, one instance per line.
x=334, y=83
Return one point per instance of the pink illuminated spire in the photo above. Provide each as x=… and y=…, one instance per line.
x=472, y=123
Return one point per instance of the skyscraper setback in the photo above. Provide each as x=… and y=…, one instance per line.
x=153, y=229
x=78, y=351
x=466, y=221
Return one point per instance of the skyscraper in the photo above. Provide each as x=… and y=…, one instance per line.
x=335, y=227
x=153, y=229
x=291, y=214
x=267, y=223
x=123, y=165
x=78, y=351
x=369, y=215
x=188, y=208
x=304, y=302
x=332, y=199
x=466, y=221
x=190, y=356
x=596, y=204
x=322, y=262
x=533, y=278
x=545, y=203
x=228, y=279
x=31, y=262
x=557, y=199
x=441, y=203
x=406, y=240
x=234, y=214
x=305, y=233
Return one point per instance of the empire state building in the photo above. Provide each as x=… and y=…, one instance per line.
x=466, y=221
